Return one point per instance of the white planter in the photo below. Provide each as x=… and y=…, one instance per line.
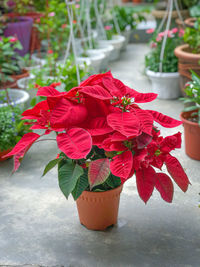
x=95, y=59
x=127, y=35
x=17, y=97
x=166, y=85
x=117, y=42
x=105, y=49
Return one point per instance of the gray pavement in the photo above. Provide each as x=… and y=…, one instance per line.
x=38, y=226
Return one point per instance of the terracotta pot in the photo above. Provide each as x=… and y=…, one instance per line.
x=35, y=43
x=24, y=74
x=136, y=1
x=3, y=153
x=192, y=136
x=186, y=61
x=8, y=85
x=99, y=210
x=190, y=22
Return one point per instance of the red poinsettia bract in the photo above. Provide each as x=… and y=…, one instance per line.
x=104, y=112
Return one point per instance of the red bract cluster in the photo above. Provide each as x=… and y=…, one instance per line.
x=104, y=112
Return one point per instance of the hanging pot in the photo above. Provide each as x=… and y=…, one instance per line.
x=99, y=210
x=106, y=50
x=192, y=136
x=166, y=85
x=186, y=61
x=127, y=35
x=95, y=58
x=117, y=42
x=22, y=29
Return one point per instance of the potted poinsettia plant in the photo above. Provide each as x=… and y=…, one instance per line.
x=191, y=117
x=105, y=138
x=163, y=73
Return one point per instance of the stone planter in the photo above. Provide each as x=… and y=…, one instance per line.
x=17, y=98
x=186, y=61
x=166, y=85
x=117, y=42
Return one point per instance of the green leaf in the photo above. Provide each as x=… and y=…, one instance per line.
x=81, y=185
x=113, y=181
x=68, y=175
x=50, y=165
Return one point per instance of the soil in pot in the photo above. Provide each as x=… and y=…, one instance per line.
x=99, y=210
x=192, y=135
x=186, y=61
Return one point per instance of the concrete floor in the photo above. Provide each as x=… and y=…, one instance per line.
x=38, y=226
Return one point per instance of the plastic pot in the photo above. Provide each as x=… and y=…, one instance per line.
x=99, y=210
x=17, y=98
x=117, y=42
x=22, y=29
x=166, y=85
x=192, y=136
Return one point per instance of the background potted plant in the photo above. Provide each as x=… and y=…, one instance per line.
x=188, y=54
x=19, y=25
x=191, y=117
x=11, y=128
x=163, y=73
x=104, y=138
x=10, y=70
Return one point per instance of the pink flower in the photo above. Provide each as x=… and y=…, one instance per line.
x=13, y=39
x=51, y=14
x=170, y=35
x=38, y=20
x=158, y=38
x=0, y=38
x=149, y=31
x=174, y=30
x=153, y=45
x=74, y=21
x=64, y=26
x=77, y=6
x=181, y=32
x=50, y=51
x=107, y=27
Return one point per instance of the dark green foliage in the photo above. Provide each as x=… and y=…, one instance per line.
x=11, y=127
x=192, y=91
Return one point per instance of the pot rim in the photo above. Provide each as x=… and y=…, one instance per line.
x=180, y=53
x=104, y=193
x=162, y=74
x=184, y=120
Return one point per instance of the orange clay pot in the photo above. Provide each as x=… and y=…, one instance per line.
x=24, y=74
x=136, y=1
x=3, y=153
x=186, y=61
x=99, y=210
x=192, y=136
